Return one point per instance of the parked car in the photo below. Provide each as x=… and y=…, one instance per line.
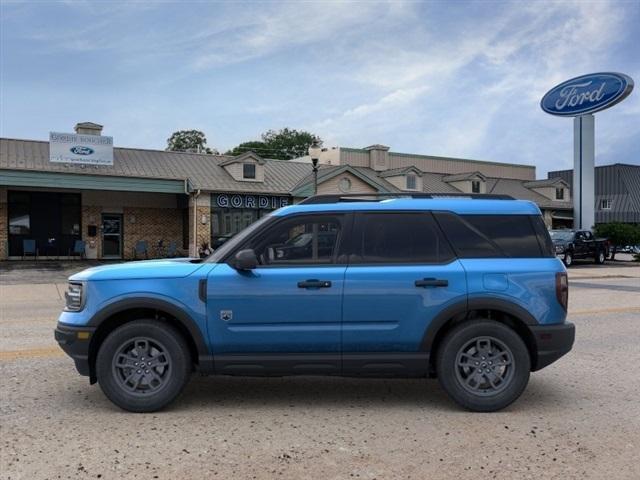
x=463, y=289
x=629, y=249
x=572, y=245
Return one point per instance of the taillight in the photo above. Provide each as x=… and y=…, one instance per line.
x=562, y=289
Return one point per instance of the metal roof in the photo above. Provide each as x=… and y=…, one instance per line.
x=618, y=183
x=392, y=172
x=463, y=176
x=206, y=172
x=546, y=182
x=202, y=170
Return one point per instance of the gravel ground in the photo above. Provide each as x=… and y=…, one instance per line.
x=578, y=418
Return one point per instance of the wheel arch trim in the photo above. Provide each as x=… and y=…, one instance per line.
x=462, y=308
x=181, y=316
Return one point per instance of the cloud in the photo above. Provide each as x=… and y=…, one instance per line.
x=457, y=79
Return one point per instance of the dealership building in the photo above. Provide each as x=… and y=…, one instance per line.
x=124, y=203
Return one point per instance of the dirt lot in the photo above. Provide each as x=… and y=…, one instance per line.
x=579, y=418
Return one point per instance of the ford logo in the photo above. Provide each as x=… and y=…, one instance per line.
x=587, y=94
x=78, y=150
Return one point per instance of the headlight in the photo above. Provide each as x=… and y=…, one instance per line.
x=559, y=248
x=74, y=297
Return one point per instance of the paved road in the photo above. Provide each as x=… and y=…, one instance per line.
x=579, y=418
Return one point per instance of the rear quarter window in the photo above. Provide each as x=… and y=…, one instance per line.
x=485, y=236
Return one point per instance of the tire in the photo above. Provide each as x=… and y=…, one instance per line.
x=165, y=370
x=568, y=259
x=600, y=257
x=475, y=391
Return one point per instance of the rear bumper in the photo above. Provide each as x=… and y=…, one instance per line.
x=552, y=342
x=75, y=343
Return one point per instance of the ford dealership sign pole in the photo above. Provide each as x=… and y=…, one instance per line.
x=580, y=97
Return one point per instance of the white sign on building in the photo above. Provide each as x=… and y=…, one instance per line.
x=80, y=149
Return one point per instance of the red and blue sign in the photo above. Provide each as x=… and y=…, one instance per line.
x=587, y=94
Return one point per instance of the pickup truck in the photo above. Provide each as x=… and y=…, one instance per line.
x=571, y=245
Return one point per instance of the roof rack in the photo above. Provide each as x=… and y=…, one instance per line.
x=377, y=197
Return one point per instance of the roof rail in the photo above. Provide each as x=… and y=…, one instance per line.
x=377, y=197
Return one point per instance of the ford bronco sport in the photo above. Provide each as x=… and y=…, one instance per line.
x=468, y=290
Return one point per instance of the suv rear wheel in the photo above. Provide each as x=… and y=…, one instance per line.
x=143, y=365
x=483, y=365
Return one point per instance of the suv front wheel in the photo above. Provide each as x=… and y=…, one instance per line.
x=483, y=365
x=143, y=365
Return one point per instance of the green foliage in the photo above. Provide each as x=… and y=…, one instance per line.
x=188, y=141
x=619, y=234
x=256, y=146
x=283, y=144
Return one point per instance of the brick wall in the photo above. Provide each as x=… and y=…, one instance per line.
x=152, y=225
x=203, y=231
x=91, y=216
x=4, y=225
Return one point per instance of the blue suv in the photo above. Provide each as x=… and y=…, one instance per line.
x=468, y=290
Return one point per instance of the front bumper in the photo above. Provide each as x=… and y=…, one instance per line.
x=552, y=342
x=75, y=342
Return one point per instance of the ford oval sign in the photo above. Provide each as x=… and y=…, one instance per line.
x=587, y=94
x=78, y=150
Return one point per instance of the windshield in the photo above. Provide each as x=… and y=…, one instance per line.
x=561, y=235
x=234, y=241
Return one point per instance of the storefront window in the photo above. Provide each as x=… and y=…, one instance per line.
x=70, y=214
x=226, y=222
x=19, y=217
x=51, y=219
x=231, y=213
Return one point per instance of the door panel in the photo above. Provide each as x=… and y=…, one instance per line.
x=384, y=310
x=265, y=311
x=402, y=275
x=286, y=313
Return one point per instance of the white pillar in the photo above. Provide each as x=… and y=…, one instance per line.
x=583, y=172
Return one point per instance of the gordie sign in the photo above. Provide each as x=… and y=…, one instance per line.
x=224, y=200
x=587, y=94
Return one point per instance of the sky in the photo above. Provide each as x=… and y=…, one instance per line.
x=448, y=78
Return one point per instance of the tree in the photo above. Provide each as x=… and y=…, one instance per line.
x=188, y=141
x=255, y=146
x=619, y=234
x=283, y=144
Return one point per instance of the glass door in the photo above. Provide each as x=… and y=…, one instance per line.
x=111, y=235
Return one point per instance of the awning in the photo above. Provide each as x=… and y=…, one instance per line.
x=30, y=178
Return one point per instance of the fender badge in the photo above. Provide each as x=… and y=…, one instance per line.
x=226, y=315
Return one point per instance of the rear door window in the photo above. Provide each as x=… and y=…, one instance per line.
x=400, y=238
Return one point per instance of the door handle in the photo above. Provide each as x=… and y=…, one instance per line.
x=314, y=284
x=432, y=282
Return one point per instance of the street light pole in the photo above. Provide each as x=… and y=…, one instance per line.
x=314, y=152
x=314, y=161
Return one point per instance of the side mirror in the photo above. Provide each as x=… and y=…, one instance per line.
x=245, y=260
